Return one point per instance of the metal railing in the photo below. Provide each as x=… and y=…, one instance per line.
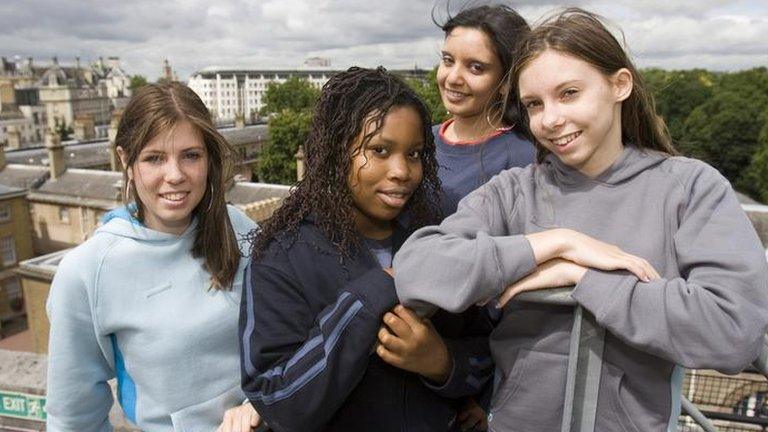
x=585, y=365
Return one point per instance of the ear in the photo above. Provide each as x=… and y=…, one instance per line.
x=123, y=158
x=623, y=83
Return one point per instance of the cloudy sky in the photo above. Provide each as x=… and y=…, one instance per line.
x=195, y=34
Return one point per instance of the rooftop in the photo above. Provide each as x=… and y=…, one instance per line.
x=23, y=176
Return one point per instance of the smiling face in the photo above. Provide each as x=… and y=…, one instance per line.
x=469, y=73
x=384, y=174
x=170, y=176
x=574, y=110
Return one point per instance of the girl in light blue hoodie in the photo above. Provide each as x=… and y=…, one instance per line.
x=152, y=298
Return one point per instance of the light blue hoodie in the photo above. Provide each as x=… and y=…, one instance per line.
x=133, y=303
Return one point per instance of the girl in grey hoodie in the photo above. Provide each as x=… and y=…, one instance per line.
x=656, y=245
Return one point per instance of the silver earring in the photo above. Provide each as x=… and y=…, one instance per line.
x=210, y=198
x=127, y=195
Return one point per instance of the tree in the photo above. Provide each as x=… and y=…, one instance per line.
x=430, y=94
x=677, y=93
x=61, y=129
x=287, y=130
x=724, y=130
x=137, y=81
x=295, y=94
x=757, y=174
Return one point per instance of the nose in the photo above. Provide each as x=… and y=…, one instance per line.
x=455, y=76
x=399, y=168
x=551, y=117
x=173, y=172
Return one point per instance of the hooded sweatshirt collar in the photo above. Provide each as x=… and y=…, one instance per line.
x=631, y=162
x=121, y=222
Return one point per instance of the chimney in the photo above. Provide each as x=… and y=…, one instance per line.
x=29, y=62
x=77, y=63
x=239, y=121
x=84, y=128
x=114, y=160
x=300, y=168
x=7, y=94
x=56, y=161
x=14, y=138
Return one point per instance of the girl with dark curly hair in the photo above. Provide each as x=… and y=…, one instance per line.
x=319, y=284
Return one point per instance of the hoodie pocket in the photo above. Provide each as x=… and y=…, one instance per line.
x=207, y=416
x=531, y=397
x=614, y=384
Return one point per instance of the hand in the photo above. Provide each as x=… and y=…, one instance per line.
x=241, y=418
x=412, y=343
x=553, y=273
x=588, y=252
x=390, y=271
x=472, y=417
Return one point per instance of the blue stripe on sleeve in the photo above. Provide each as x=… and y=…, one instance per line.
x=318, y=367
x=126, y=388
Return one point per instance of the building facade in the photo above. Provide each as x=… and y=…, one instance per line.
x=228, y=93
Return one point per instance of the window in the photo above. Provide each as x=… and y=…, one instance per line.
x=64, y=215
x=5, y=212
x=8, y=250
x=12, y=290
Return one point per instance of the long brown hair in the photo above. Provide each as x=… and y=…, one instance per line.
x=581, y=34
x=157, y=108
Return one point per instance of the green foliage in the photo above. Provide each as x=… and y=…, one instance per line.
x=757, y=174
x=137, y=81
x=295, y=94
x=287, y=130
x=723, y=131
x=719, y=118
x=677, y=93
x=61, y=129
x=430, y=94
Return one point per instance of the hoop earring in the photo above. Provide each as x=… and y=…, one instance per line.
x=128, y=188
x=210, y=198
x=500, y=105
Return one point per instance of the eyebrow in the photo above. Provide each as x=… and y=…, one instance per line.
x=558, y=88
x=471, y=59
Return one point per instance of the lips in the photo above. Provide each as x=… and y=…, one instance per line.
x=174, y=197
x=396, y=198
x=454, y=96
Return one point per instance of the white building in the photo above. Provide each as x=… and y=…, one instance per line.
x=227, y=92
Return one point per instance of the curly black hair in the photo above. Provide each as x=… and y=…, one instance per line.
x=349, y=101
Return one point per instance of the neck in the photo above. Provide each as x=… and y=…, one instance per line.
x=373, y=230
x=469, y=128
x=597, y=166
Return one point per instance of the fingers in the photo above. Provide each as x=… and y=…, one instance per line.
x=408, y=316
x=390, y=342
x=255, y=419
x=398, y=325
x=389, y=357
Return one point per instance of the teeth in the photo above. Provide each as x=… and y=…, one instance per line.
x=174, y=196
x=566, y=139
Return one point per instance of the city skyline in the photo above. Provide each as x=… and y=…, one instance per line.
x=193, y=35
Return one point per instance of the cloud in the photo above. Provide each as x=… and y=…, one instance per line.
x=194, y=34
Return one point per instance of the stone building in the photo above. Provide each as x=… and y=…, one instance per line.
x=15, y=246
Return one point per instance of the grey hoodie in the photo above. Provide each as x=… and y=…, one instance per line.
x=709, y=310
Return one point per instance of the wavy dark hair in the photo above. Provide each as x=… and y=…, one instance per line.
x=583, y=35
x=158, y=108
x=505, y=28
x=349, y=102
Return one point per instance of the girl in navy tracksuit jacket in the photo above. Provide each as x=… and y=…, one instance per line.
x=325, y=344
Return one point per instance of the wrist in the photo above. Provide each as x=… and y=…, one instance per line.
x=442, y=368
x=550, y=244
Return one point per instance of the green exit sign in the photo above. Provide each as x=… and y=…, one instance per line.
x=23, y=406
